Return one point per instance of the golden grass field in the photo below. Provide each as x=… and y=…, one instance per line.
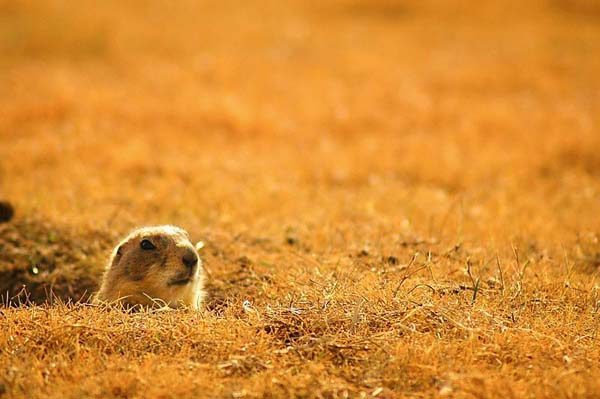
x=399, y=198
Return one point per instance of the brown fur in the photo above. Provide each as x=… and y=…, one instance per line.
x=137, y=276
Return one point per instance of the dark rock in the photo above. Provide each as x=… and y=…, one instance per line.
x=7, y=211
x=392, y=260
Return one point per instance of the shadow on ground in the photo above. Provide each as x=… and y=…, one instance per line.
x=40, y=261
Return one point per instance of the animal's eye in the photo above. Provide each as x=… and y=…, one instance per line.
x=147, y=245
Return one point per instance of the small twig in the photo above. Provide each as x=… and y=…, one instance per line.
x=428, y=264
x=474, y=281
x=521, y=271
x=421, y=285
x=406, y=276
x=500, y=273
x=475, y=290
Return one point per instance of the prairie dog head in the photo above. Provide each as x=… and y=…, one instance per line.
x=154, y=264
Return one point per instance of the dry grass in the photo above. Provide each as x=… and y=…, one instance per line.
x=399, y=198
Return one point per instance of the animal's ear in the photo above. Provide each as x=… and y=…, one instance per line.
x=118, y=254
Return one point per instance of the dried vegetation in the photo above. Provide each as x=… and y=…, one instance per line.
x=398, y=198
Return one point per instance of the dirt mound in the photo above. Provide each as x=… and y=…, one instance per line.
x=41, y=262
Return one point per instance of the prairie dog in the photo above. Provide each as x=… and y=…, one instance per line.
x=152, y=266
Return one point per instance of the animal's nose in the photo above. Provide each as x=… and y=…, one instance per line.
x=189, y=259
